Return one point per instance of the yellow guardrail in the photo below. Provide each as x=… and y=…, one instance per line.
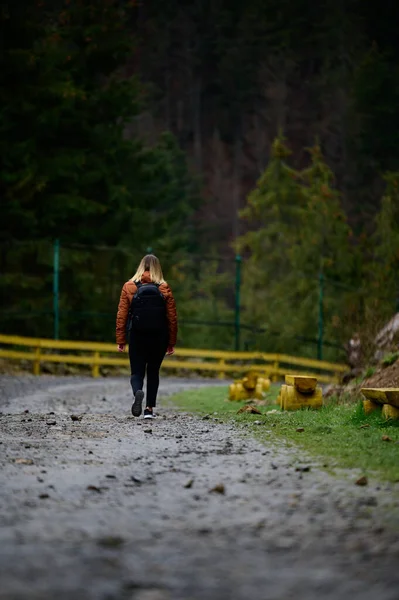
x=96, y=354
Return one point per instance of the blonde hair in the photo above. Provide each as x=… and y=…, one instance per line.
x=149, y=263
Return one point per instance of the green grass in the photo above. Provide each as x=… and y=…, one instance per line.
x=340, y=435
x=390, y=359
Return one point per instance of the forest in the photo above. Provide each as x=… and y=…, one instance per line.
x=254, y=147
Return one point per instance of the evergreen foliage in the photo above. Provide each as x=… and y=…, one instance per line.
x=301, y=233
x=273, y=209
x=385, y=262
x=71, y=171
x=79, y=79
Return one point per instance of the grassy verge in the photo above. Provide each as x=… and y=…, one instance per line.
x=342, y=435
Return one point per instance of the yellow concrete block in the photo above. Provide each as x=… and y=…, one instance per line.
x=237, y=391
x=249, y=382
x=369, y=406
x=303, y=383
x=265, y=383
x=283, y=395
x=390, y=412
x=250, y=386
x=375, y=394
x=258, y=391
x=294, y=400
x=392, y=395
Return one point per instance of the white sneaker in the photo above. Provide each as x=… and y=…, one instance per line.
x=148, y=414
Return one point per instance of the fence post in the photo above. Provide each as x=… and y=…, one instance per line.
x=56, y=271
x=237, y=303
x=222, y=374
x=274, y=376
x=95, y=370
x=321, y=318
x=36, y=362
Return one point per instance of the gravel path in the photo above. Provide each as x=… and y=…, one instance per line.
x=112, y=508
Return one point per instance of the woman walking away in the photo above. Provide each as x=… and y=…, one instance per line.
x=147, y=316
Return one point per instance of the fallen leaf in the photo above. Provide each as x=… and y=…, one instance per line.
x=386, y=438
x=249, y=409
x=94, y=488
x=23, y=461
x=256, y=402
x=189, y=484
x=218, y=489
x=362, y=481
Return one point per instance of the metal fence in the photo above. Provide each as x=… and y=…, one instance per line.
x=95, y=355
x=70, y=291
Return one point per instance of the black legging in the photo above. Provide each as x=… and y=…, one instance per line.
x=146, y=352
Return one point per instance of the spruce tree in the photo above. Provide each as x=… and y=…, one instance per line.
x=73, y=167
x=322, y=256
x=323, y=243
x=301, y=236
x=272, y=211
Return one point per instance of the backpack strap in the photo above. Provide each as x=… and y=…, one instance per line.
x=139, y=284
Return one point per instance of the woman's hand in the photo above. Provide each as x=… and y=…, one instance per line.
x=170, y=350
x=121, y=347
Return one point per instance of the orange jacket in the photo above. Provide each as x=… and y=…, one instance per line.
x=128, y=291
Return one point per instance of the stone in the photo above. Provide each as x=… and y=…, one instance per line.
x=362, y=481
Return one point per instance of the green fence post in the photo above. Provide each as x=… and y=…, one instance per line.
x=321, y=318
x=56, y=271
x=237, y=303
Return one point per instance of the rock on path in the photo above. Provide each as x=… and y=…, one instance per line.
x=107, y=507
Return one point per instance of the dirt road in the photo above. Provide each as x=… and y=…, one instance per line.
x=111, y=508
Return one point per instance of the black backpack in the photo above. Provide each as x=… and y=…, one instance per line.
x=147, y=312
